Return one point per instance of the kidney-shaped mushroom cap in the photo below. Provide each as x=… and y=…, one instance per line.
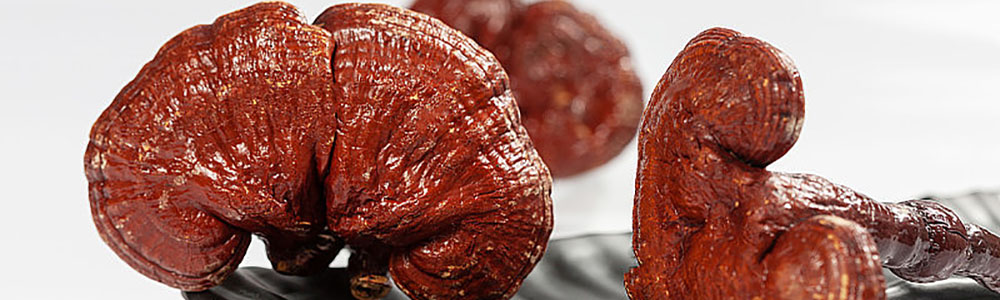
x=573, y=80
x=430, y=158
x=393, y=133
x=575, y=85
x=737, y=91
x=212, y=141
x=489, y=22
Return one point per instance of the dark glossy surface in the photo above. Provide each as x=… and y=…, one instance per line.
x=256, y=283
x=712, y=223
x=580, y=268
x=378, y=128
x=941, y=290
x=573, y=80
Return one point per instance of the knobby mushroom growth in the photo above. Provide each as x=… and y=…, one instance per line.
x=712, y=223
x=573, y=80
x=376, y=128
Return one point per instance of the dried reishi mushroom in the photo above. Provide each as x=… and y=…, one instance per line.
x=378, y=128
x=712, y=223
x=489, y=22
x=440, y=170
x=579, y=96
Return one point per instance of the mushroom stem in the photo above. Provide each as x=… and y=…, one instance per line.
x=368, y=268
x=934, y=244
x=302, y=256
x=919, y=240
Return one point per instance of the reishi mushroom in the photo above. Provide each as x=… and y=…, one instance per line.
x=710, y=222
x=378, y=128
x=578, y=94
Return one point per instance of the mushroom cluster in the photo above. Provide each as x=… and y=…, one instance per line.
x=376, y=128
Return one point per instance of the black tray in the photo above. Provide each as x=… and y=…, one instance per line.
x=591, y=267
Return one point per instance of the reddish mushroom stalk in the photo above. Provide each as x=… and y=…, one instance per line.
x=712, y=223
x=919, y=240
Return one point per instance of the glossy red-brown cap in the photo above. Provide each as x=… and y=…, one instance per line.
x=429, y=157
x=210, y=142
x=827, y=257
x=489, y=22
x=575, y=85
x=738, y=92
x=577, y=92
x=387, y=131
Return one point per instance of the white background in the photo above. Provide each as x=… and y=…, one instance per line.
x=901, y=101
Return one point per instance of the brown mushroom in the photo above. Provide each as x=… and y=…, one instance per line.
x=489, y=22
x=573, y=80
x=712, y=223
x=379, y=128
